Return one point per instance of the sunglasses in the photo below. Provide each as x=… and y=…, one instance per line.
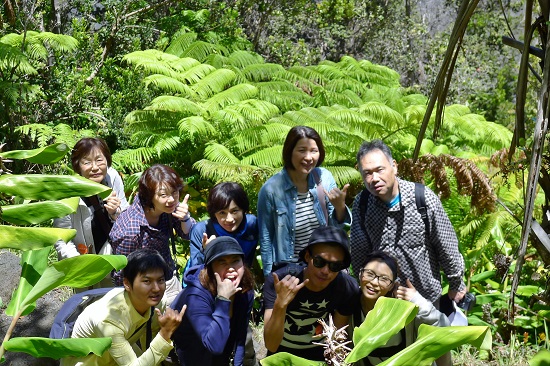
x=320, y=262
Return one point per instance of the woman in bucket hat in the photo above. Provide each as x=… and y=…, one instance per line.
x=219, y=296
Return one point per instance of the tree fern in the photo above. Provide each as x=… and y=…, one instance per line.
x=12, y=59
x=135, y=159
x=242, y=59
x=219, y=154
x=286, y=100
x=178, y=45
x=196, y=73
x=213, y=83
x=345, y=174
x=200, y=50
x=223, y=172
x=270, y=157
x=196, y=126
x=232, y=95
x=256, y=138
x=168, y=84
x=262, y=71
x=175, y=104
x=382, y=114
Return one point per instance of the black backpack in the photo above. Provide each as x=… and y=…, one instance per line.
x=419, y=198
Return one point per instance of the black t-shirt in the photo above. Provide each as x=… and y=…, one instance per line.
x=302, y=314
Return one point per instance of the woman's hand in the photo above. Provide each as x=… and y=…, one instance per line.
x=226, y=288
x=182, y=210
x=206, y=240
x=338, y=199
x=406, y=293
x=112, y=204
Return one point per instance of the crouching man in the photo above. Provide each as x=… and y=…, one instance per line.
x=297, y=296
x=136, y=320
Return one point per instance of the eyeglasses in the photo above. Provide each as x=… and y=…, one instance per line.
x=321, y=262
x=98, y=162
x=367, y=274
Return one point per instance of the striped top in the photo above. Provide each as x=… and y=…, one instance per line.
x=306, y=221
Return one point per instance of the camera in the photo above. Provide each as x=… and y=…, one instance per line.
x=467, y=302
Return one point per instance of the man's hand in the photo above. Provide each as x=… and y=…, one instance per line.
x=456, y=296
x=169, y=321
x=226, y=288
x=182, y=210
x=406, y=293
x=287, y=288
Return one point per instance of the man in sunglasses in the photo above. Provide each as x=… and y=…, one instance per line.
x=295, y=301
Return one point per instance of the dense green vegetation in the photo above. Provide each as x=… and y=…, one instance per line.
x=211, y=88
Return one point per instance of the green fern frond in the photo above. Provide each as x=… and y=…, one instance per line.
x=414, y=114
x=153, y=120
x=199, y=50
x=344, y=175
x=232, y=95
x=241, y=59
x=9, y=92
x=330, y=72
x=305, y=73
x=286, y=100
x=346, y=98
x=354, y=121
x=381, y=75
x=38, y=132
x=270, y=157
x=340, y=85
x=262, y=72
x=371, y=95
x=168, y=84
x=382, y=114
x=415, y=99
x=12, y=58
x=183, y=64
x=152, y=61
x=175, y=104
x=246, y=114
x=57, y=42
x=35, y=43
x=213, y=83
x=197, y=126
x=220, y=154
x=178, y=45
x=216, y=60
x=222, y=172
x=196, y=73
x=133, y=159
x=65, y=134
x=457, y=110
x=277, y=86
x=256, y=138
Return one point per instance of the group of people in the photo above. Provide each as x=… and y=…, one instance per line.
x=393, y=250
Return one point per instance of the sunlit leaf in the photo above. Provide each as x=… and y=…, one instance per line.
x=44, y=155
x=29, y=238
x=59, y=348
x=51, y=187
x=37, y=212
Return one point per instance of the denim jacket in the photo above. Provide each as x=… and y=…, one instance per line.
x=277, y=210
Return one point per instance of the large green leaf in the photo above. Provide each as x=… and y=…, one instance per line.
x=386, y=319
x=33, y=265
x=44, y=155
x=288, y=359
x=59, y=348
x=81, y=271
x=50, y=187
x=433, y=342
x=37, y=212
x=542, y=358
x=29, y=238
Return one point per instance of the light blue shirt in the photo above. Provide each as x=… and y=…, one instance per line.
x=277, y=215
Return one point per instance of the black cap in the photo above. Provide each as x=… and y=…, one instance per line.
x=328, y=235
x=222, y=245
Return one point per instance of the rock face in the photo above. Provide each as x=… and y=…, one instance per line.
x=36, y=324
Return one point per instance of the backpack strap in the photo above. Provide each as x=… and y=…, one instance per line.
x=420, y=198
x=363, y=201
x=149, y=331
x=320, y=192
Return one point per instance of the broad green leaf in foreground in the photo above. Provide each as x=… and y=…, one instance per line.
x=44, y=155
x=387, y=318
x=433, y=342
x=37, y=212
x=33, y=265
x=29, y=238
x=542, y=358
x=81, y=271
x=50, y=187
x=288, y=359
x=58, y=348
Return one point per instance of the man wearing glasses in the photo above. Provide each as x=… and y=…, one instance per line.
x=296, y=296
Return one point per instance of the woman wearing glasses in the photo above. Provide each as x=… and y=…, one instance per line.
x=377, y=278
x=298, y=199
x=227, y=209
x=94, y=217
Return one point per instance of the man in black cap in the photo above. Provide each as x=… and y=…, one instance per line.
x=296, y=297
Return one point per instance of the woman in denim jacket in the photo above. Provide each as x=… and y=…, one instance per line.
x=298, y=199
